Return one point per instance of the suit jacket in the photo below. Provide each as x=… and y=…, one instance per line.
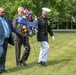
x=43, y=29
x=10, y=39
x=15, y=23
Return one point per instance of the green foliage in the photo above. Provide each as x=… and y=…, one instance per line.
x=64, y=9
x=12, y=5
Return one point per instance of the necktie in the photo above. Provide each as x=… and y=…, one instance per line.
x=6, y=28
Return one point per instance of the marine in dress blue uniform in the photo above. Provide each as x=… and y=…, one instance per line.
x=42, y=36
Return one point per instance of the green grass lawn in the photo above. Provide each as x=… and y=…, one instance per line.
x=61, y=59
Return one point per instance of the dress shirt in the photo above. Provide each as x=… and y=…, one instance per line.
x=6, y=28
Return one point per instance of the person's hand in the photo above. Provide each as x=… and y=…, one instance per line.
x=22, y=35
x=53, y=38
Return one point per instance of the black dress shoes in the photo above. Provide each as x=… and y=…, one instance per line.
x=0, y=71
x=4, y=70
x=22, y=62
x=43, y=63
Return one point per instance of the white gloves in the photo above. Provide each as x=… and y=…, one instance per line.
x=53, y=38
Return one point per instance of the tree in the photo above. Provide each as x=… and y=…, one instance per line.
x=63, y=9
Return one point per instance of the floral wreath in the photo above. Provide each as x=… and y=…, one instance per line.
x=26, y=30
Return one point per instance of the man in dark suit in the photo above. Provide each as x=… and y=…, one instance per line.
x=6, y=30
x=19, y=40
x=42, y=36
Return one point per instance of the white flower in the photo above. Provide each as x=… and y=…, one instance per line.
x=30, y=33
x=24, y=16
x=24, y=26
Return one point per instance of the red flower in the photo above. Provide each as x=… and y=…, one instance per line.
x=23, y=31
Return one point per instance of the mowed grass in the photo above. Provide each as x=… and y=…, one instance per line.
x=61, y=58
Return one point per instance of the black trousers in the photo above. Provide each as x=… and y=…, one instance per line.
x=18, y=44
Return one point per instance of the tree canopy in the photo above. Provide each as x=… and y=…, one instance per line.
x=61, y=10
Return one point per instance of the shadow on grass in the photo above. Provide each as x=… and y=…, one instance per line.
x=33, y=64
x=58, y=61
x=15, y=69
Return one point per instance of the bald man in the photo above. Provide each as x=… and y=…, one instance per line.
x=6, y=30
